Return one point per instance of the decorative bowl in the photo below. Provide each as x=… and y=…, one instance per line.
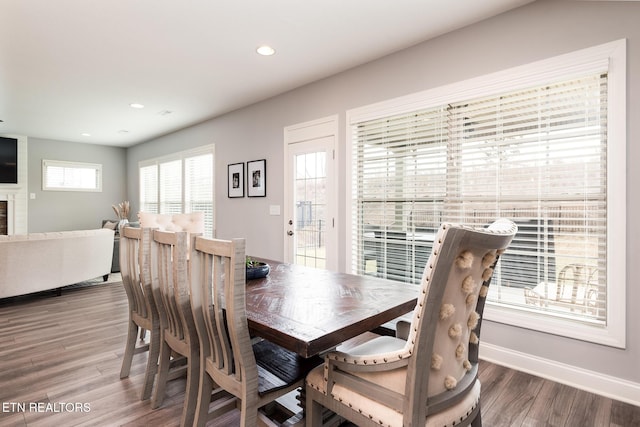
x=257, y=270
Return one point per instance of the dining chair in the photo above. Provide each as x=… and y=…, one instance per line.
x=143, y=314
x=430, y=379
x=256, y=374
x=575, y=290
x=179, y=339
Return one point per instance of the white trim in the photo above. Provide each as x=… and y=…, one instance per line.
x=584, y=379
x=303, y=132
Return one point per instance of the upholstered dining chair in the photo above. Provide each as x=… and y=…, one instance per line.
x=256, y=374
x=179, y=338
x=193, y=222
x=431, y=378
x=143, y=314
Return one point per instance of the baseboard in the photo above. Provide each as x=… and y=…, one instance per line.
x=591, y=381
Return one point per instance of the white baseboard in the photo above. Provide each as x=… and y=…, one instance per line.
x=591, y=381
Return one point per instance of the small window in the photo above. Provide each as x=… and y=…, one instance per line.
x=71, y=176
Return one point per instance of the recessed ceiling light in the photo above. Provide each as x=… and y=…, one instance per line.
x=266, y=50
x=136, y=105
x=86, y=134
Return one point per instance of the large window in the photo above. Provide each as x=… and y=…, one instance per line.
x=537, y=145
x=182, y=182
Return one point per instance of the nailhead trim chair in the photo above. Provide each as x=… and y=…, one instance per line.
x=429, y=379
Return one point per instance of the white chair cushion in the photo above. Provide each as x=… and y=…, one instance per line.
x=389, y=417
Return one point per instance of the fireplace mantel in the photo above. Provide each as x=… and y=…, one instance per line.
x=16, y=194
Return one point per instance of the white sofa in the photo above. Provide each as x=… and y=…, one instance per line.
x=41, y=261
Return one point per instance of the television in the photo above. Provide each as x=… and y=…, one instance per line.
x=8, y=160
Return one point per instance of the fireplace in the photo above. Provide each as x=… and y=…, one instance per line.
x=4, y=219
x=13, y=212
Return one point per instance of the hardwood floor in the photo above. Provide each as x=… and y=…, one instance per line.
x=60, y=361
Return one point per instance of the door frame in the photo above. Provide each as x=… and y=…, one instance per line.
x=309, y=131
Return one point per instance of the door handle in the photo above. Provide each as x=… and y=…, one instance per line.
x=289, y=233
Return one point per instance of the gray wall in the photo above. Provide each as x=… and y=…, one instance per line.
x=74, y=210
x=537, y=31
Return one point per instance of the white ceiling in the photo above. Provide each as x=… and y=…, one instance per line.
x=69, y=67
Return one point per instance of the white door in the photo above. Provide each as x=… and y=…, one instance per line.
x=310, y=194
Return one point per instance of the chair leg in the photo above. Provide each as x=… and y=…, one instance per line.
x=163, y=374
x=477, y=421
x=152, y=363
x=313, y=412
x=204, y=397
x=129, y=349
x=248, y=413
x=191, y=391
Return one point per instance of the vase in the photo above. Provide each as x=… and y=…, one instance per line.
x=122, y=223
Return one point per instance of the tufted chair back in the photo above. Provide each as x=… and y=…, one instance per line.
x=431, y=378
x=463, y=259
x=192, y=222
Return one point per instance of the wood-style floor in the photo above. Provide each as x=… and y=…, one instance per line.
x=60, y=361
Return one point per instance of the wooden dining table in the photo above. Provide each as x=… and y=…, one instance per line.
x=310, y=311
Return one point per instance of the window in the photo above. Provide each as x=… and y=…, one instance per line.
x=542, y=145
x=71, y=176
x=182, y=182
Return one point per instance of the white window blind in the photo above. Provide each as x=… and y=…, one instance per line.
x=199, y=186
x=149, y=188
x=170, y=187
x=537, y=155
x=179, y=183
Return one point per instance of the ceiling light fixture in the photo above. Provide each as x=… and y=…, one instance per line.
x=136, y=105
x=86, y=134
x=266, y=50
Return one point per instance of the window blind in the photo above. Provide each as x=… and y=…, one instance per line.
x=535, y=155
x=198, y=192
x=149, y=188
x=170, y=188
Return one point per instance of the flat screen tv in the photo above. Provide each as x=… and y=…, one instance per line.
x=8, y=160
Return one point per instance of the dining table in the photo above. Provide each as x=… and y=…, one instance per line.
x=310, y=311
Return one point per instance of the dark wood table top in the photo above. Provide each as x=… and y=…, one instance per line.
x=309, y=310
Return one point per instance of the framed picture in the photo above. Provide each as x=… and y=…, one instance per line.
x=257, y=178
x=236, y=180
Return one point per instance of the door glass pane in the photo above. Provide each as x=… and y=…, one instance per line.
x=310, y=209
